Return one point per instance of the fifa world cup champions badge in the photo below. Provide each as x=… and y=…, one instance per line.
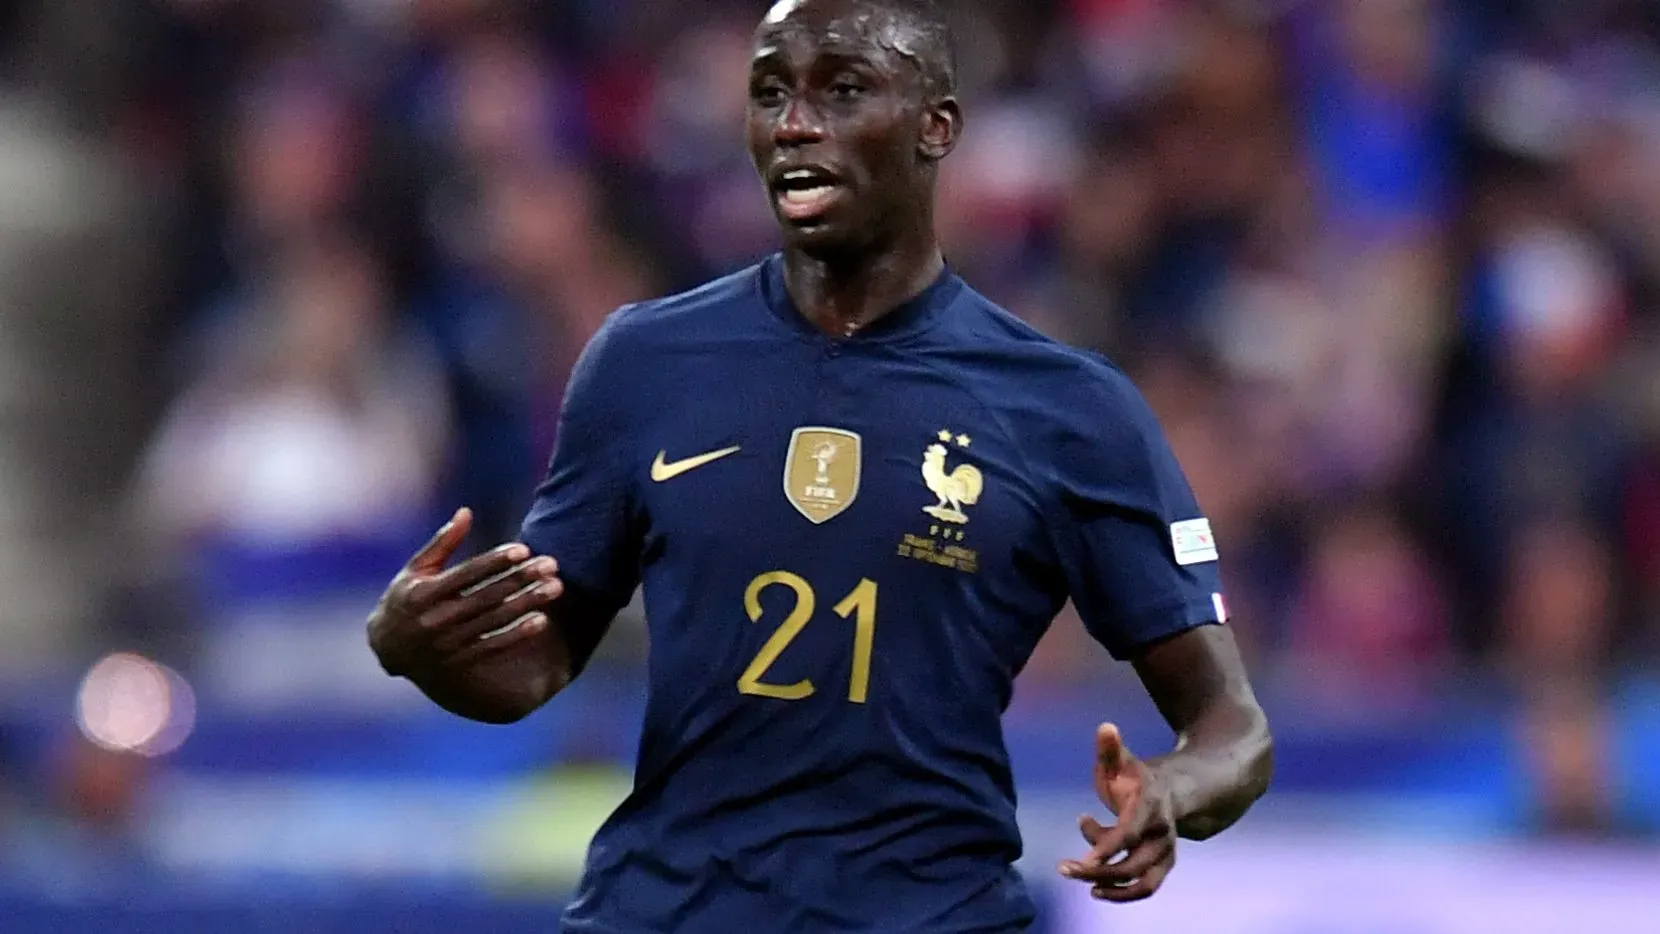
x=821, y=472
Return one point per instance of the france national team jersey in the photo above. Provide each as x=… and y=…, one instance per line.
x=849, y=548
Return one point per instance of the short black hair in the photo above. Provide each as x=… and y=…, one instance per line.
x=936, y=52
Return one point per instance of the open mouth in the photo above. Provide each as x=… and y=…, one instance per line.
x=805, y=194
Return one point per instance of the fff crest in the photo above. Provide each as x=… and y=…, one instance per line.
x=821, y=472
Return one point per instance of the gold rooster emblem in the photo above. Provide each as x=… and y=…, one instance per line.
x=956, y=489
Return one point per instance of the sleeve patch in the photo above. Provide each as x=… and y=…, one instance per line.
x=1192, y=541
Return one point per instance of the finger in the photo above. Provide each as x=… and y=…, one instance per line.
x=1090, y=828
x=534, y=568
x=1121, y=837
x=488, y=620
x=504, y=637
x=486, y=595
x=1105, y=843
x=1110, y=753
x=1141, y=888
x=436, y=553
x=1139, y=862
x=1147, y=855
x=474, y=570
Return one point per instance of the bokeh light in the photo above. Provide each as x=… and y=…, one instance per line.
x=129, y=703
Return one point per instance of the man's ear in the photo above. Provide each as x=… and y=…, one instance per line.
x=942, y=126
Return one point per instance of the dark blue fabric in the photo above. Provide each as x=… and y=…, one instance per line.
x=886, y=805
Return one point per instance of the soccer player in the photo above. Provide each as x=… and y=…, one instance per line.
x=856, y=494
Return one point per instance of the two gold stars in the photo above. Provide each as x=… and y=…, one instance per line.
x=946, y=436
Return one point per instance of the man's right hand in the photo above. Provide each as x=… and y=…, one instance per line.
x=433, y=622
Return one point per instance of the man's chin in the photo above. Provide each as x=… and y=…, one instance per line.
x=821, y=239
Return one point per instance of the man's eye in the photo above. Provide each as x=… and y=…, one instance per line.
x=767, y=95
x=847, y=90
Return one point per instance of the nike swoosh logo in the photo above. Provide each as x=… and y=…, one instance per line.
x=661, y=470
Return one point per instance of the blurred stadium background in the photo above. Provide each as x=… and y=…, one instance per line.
x=282, y=283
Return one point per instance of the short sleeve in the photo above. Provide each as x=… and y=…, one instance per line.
x=583, y=514
x=1138, y=556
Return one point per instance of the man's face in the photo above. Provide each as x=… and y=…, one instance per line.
x=839, y=126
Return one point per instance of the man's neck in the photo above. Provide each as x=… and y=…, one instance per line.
x=843, y=296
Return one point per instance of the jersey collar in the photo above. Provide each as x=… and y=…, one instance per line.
x=910, y=318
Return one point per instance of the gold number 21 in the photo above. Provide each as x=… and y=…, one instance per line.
x=862, y=600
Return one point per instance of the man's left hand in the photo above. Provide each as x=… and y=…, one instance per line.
x=1145, y=835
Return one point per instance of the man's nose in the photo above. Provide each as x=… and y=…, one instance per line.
x=798, y=125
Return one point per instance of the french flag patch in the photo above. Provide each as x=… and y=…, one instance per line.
x=1192, y=541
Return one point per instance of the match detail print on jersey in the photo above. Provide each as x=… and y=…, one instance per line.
x=1192, y=541
x=662, y=470
x=821, y=472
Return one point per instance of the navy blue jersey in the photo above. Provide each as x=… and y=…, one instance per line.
x=849, y=548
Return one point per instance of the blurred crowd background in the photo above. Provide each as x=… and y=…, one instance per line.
x=281, y=284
